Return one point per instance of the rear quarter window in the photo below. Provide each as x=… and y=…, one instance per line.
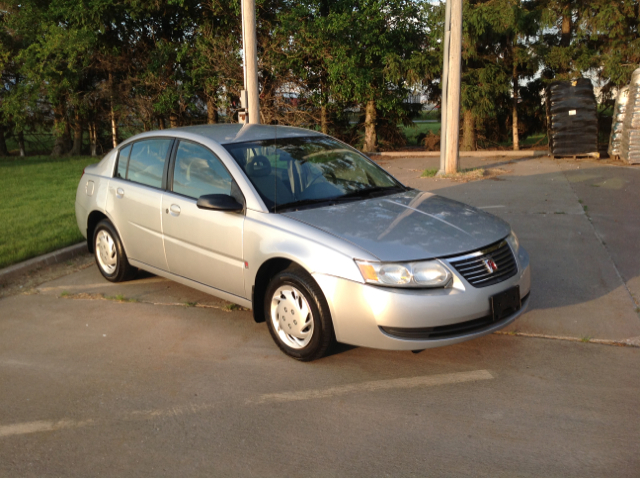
x=123, y=162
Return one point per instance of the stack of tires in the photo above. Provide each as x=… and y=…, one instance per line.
x=619, y=110
x=572, y=122
x=630, y=137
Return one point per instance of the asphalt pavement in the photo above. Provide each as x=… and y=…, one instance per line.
x=150, y=378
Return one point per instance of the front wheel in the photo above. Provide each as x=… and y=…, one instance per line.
x=298, y=316
x=109, y=253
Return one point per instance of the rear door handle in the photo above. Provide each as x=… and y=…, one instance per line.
x=175, y=210
x=119, y=192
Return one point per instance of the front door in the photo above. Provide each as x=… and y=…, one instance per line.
x=202, y=245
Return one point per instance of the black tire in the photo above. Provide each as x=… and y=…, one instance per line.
x=322, y=337
x=122, y=270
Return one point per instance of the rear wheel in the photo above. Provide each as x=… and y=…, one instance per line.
x=298, y=316
x=109, y=253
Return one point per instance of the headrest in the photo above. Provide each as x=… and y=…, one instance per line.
x=258, y=166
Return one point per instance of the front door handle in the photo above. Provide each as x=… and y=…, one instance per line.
x=175, y=210
x=119, y=193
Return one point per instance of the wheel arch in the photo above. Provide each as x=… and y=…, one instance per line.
x=95, y=217
x=92, y=221
x=267, y=270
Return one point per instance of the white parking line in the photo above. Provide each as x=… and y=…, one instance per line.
x=419, y=381
x=42, y=426
x=435, y=380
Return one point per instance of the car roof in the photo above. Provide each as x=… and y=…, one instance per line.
x=235, y=133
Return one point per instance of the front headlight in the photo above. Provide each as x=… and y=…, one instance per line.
x=512, y=239
x=422, y=274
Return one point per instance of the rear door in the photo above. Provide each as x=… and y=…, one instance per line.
x=202, y=245
x=135, y=199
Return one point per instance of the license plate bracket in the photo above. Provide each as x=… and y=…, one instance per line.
x=505, y=303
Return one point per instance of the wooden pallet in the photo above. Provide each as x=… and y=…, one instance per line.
x=595, y=155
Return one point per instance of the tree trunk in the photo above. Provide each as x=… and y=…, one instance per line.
x=58, y=146
x=114, y=124
x=565, y=39
x=21, y=143
x=173, y=120
x=370, y=136
x=93, y=138
x=161, y=123
x=68, y=143
x=77, y=136
x=324, y=120
x=114, y=127
x=324, y=114
x=469, y=131
x=3, y=143
x=212, y=112
x=514, y=120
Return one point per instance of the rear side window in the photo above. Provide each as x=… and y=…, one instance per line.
x=199, y=172
x=123, y=162
x=146, y=161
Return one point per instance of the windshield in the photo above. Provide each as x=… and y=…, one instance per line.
x=294, y=172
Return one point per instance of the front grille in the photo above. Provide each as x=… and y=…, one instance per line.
x=475, y=269
x=447, y=331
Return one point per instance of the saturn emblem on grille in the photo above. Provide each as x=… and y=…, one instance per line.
x=490, y=265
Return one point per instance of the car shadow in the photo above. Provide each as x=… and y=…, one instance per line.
x=142, y=274
x=339, y=348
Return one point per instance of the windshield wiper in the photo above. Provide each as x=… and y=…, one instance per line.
x=295, y=204
x=370, y=192
x=354, y=195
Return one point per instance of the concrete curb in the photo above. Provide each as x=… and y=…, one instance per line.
x=54, y=257
x=477, y=154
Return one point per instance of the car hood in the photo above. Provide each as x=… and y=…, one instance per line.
x=407, y=226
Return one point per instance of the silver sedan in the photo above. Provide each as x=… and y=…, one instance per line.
x=320, y=242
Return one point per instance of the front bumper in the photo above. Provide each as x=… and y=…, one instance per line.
x=359, y=311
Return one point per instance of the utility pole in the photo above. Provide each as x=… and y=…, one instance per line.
x=451, y=76
x=250, y=47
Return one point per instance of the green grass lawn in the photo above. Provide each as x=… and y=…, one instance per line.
x=412, y=132
x=37, y=212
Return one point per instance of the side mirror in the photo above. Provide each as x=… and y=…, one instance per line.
x=219, y=203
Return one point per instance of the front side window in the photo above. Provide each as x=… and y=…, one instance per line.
x=301, y=172
x=146, y=161
x=199, y=172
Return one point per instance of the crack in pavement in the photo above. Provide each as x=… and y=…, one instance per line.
x=600, y=240
x=175, y=411
x=630, y=342
x=229, y=308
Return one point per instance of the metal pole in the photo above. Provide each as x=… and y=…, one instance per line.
x=251, y=59
x=452, y=127
x=445, y=78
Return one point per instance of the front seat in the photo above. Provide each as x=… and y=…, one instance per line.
x=264, y=178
